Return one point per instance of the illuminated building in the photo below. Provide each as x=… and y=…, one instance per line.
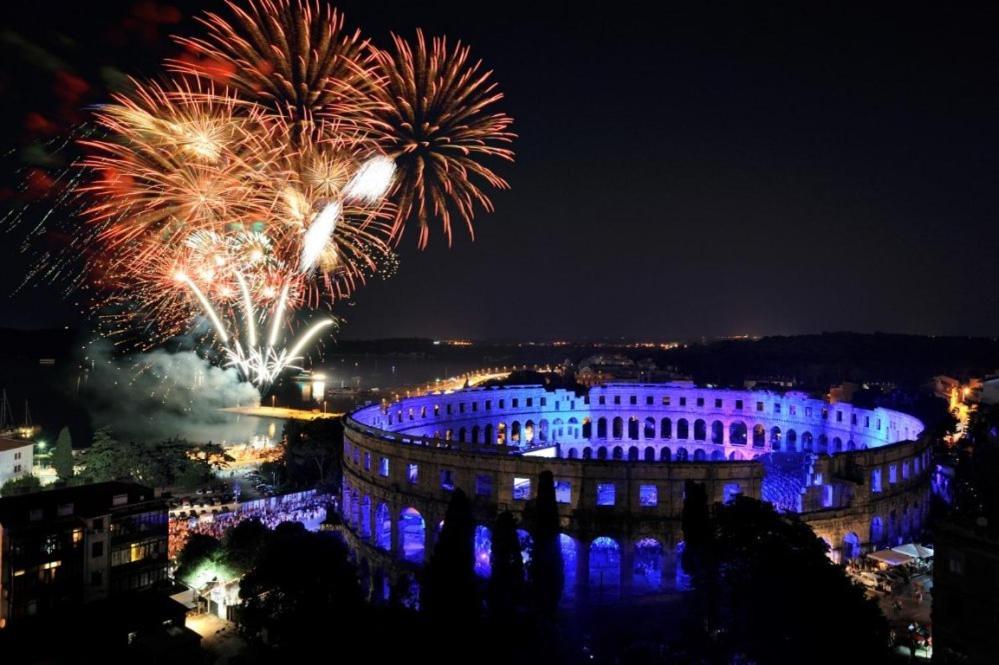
x=16, y=459
x=65, y=547
x=620, y=455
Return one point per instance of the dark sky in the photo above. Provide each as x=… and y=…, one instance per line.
x=683, y=169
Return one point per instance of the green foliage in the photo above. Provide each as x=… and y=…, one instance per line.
x=23, y=485
x=312, y=452
x=174, y=462
x=62, y=455
x=200, y=561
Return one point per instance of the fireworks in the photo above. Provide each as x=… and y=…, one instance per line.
x=276, y=169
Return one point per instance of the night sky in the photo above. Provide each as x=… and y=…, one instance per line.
x=683, y=169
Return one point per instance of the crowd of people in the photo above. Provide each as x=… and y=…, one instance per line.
x=309, y=508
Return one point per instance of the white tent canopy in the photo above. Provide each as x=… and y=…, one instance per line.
x=914, y=550
x=890, y=557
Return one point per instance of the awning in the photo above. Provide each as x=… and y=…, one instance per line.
x=186, y=598
x=890, y=557
x=914, y=550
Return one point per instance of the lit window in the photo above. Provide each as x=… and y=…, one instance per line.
x=892, y=474
x=483, y=485
x=876, y=480
x=605, y=494
x=521, y=489
x=413, y=473
x=367, y=461
x=447, y=479
x=648, y=495
x=383, y=467
x=732, y=490
x=563, y=491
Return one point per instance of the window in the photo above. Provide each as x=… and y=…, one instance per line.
x=357, y=455
x=475, y=406
x=514, y=403
x=892, y=474
x=97, y=549
x=563, y=491
x=617, y=399
x=738, y=405
x=648, y=400
x=731, y=491
x=633, y=400
x=793, y=410
x=602, y=399
x=683, y=401
x=489, y=405
x=700, y=401
x=521, y=489
x=544, y=402
x=119, y=500
x=413, y=473
x=759, y=406
x=648, y=495
x=776, y=408
x=839, y=416
x=483, y=485
x=461, y=407
x=367, y=461
x=447, y=480
x=605, y=494
x=718, y=403
x=665, y=400
x=502, y=404
x=529, y=401
x=876, y=481
x=383, y=467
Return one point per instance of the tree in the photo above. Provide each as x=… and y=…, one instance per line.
x=449, y=591
x=62, y=455
x=244, y=545
x=312, y=452
x=199, y=561
x=779, y=594
x=546, y=571
x=506, y=584
x=23, y=485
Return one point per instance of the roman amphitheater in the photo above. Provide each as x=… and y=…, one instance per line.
x=620, y=455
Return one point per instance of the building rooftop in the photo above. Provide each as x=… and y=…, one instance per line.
x=69, y=502
x=13, y=444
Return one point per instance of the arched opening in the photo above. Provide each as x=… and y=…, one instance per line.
x=775, y=438
x=792, y=440
x=602, y=452
x=365, y=520
x=587, y=428
x=573, y=428
x=605, y=567
x=572, y=453
x=759, y=436
x=807, y=441
x=526, y=547
x=412, y=535
x=633, y=428
x=837, y=444
x=650, y=454
x=618, y=452
x=501, y=433
x=529, y=431
x=851, y=546
x=557, y=429
x=587, y=453
x=877, y=531
x=700, y=430
x=542, y=430
x=700, y=455
x=383, y=527
x=683, y=580
x=681, y=455
x=664, y=454
x=568, y=546
x=647, y=575
x=461, y=434
x=735, y=456
x=601, y=428
x=717, y=432
x=717, y=455
x=475, y=434
x=665, y=428
x=737, y=433
x=823, y=442
x=633, y=454
x=515, y=431
x=682, y=429
x=617, y=427
x=483, y=550
x=649, y=431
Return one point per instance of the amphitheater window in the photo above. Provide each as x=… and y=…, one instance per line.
x=759, y=407
x=633, y=400
x=665, y=428
x=731, y=491
x=665, y=400
x=475, y=406
x=825, y=413
x=383, y=467
x=876, y=480
x=572, y=405
x=683, y=401
x=489, y=405
x=602, y=399
x=514, y=403
x=521, y=489
x=586, y=400
x=738, y=405
x=905, y=470
x=617, y=399
x=483, y=485
x=530, y=401
x=867, y=422
x=793, y=410
x=853, y=418
x=447, y=480
x=878, y=424
x=605, y=494
x=649, y=400
x=367, y=461
x=563, y=491
x=544, y=402
x=839, y=416
x=892, y=474
x=502, y=404
x=357, y=455
x=449, y=408
x=413, y=473
x=776, y=408
x=808, y=412
x=737, y=433
x=718, y=403
x=648, y=495
x=700, y=401
x=461, y=407
x=557, y=406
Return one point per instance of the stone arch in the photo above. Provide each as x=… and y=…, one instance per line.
x=665, y=428
x=682, y=429
x=792, y=440
x=483, y=544
x=618, y=452
x=775, y=438
x=557, y=429
x=475, y=433
x=569, y=549
x=851, y=546
x=587, y=428
x=735, y=456
x=700, y=455
x=649, y=432
x=647, y=571
x=737, y=433
x=528, y=433
x=633, y=454
x=633, y=426
x=717, y=455
x=515, y=431
x=489, y=434
x=700, y=430
x=543, y=429
x=462, y=433
x=365, y=522
x=601, y=428
x=807, y=441
x=823, y=444
x=383, y=527
x=412, y=535
x=572, y=453
x=837, y=444
x=573, y=427
x=617, y=427
x=602, y=452
x=605, y=567
x=759, y=436
x=717, y=432
x=587, y=453
x=650, y=454
x=681, y=455
x=877, y=531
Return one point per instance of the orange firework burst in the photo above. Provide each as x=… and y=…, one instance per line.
x=436, y=121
